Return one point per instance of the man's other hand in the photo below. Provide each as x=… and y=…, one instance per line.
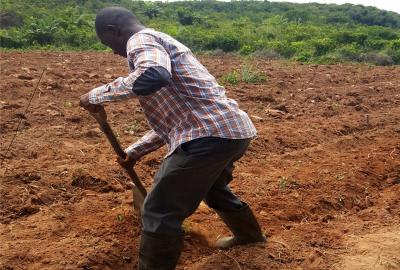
x=128, y=162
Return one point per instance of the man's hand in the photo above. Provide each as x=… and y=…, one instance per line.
x=128, y=162
x=92, y=108
x=85, y=103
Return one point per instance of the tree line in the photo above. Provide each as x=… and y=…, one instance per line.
x=317, y=33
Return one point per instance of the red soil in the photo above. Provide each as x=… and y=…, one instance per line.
x=322, y=177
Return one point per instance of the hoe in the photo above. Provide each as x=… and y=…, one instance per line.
x=139, y=192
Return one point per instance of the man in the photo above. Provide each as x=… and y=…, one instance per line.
x=188, y=111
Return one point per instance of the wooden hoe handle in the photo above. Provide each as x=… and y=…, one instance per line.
x=101, y=117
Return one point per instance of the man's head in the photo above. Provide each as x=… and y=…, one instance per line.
x=114, y=27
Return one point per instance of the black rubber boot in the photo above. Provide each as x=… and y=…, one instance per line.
x=244, y=226
x=159, y=251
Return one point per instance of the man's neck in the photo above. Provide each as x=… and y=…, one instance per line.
x=137, y=28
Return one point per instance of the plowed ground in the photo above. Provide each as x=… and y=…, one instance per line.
x=323, y=176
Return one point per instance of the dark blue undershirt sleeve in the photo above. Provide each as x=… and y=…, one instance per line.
x=152, y=80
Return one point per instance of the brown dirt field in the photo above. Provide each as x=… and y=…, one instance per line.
x=323, y=176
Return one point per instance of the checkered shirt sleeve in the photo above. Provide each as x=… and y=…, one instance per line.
x=148, y=143
x=144, y=52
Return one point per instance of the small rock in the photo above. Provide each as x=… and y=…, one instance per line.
x=274, y=113
x=74, y=119
x=24, y=77
x=57, y=127
x=68, y=104
x=396, y=181
x=258, y=118
x=281, y=83
x=351, y=102
x=53, y=112
x=353, y=94
x=263, y=213
x=94, y=132
x=59, y=74
x=282, y=108
x=127, y=258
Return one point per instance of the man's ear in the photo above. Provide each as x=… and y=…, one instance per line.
x=113, y=29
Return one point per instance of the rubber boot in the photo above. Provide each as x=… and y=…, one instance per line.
x=159, y=251
x=244, y=226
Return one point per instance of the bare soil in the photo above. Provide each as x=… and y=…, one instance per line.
x=323, y=176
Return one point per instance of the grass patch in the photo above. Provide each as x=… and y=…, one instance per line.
x=249, y=75
x=133, y=128
x=246, y=74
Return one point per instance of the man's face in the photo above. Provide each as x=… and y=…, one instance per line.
x=114, y=40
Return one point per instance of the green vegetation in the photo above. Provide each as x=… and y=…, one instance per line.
x=287, y=182
x=231, y=78
x=249, y=75
x=303, y=32
x=246, y=74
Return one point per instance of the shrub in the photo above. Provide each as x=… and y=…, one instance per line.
x=10, y=18
x=323, y=46
x=394, y=51
x=376, y=44
x=395, y=44
x=249, y=75
x=225, y=41
x=267, y=54
x=347, y=37
x=246, y=50
x=350, y=52
x=231, y=78
x=41, y=32
x=217, y=52
x=11, y=39
x=284, y=48
x=332, y=58
x=379, y=59
x=303, y=57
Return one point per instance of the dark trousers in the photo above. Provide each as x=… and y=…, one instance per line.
x=198, y=170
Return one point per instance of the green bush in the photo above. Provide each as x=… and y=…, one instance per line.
x=227, y=42
x=376, y=44
x=246, y=50
x=231, y=78
x=257, y=28
x=394, y=51
x=284, y=48
x=347, y=37
x=249, y=75
x=246, y=74
x=379, y=59
x=350, y=52
x=11, y=39
x=10, y=18
x=323, y=46
x=303, y=57
x=266, y=54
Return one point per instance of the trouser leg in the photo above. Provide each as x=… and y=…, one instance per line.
x=220, y=197
x=185, y=178
x=236, y=214
x=182, y=181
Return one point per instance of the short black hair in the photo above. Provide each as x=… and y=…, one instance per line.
x=117, y=16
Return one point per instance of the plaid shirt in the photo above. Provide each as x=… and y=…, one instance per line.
x=192, y=105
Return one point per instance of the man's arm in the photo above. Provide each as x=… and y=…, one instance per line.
x=152, y=71
x=148, y=143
